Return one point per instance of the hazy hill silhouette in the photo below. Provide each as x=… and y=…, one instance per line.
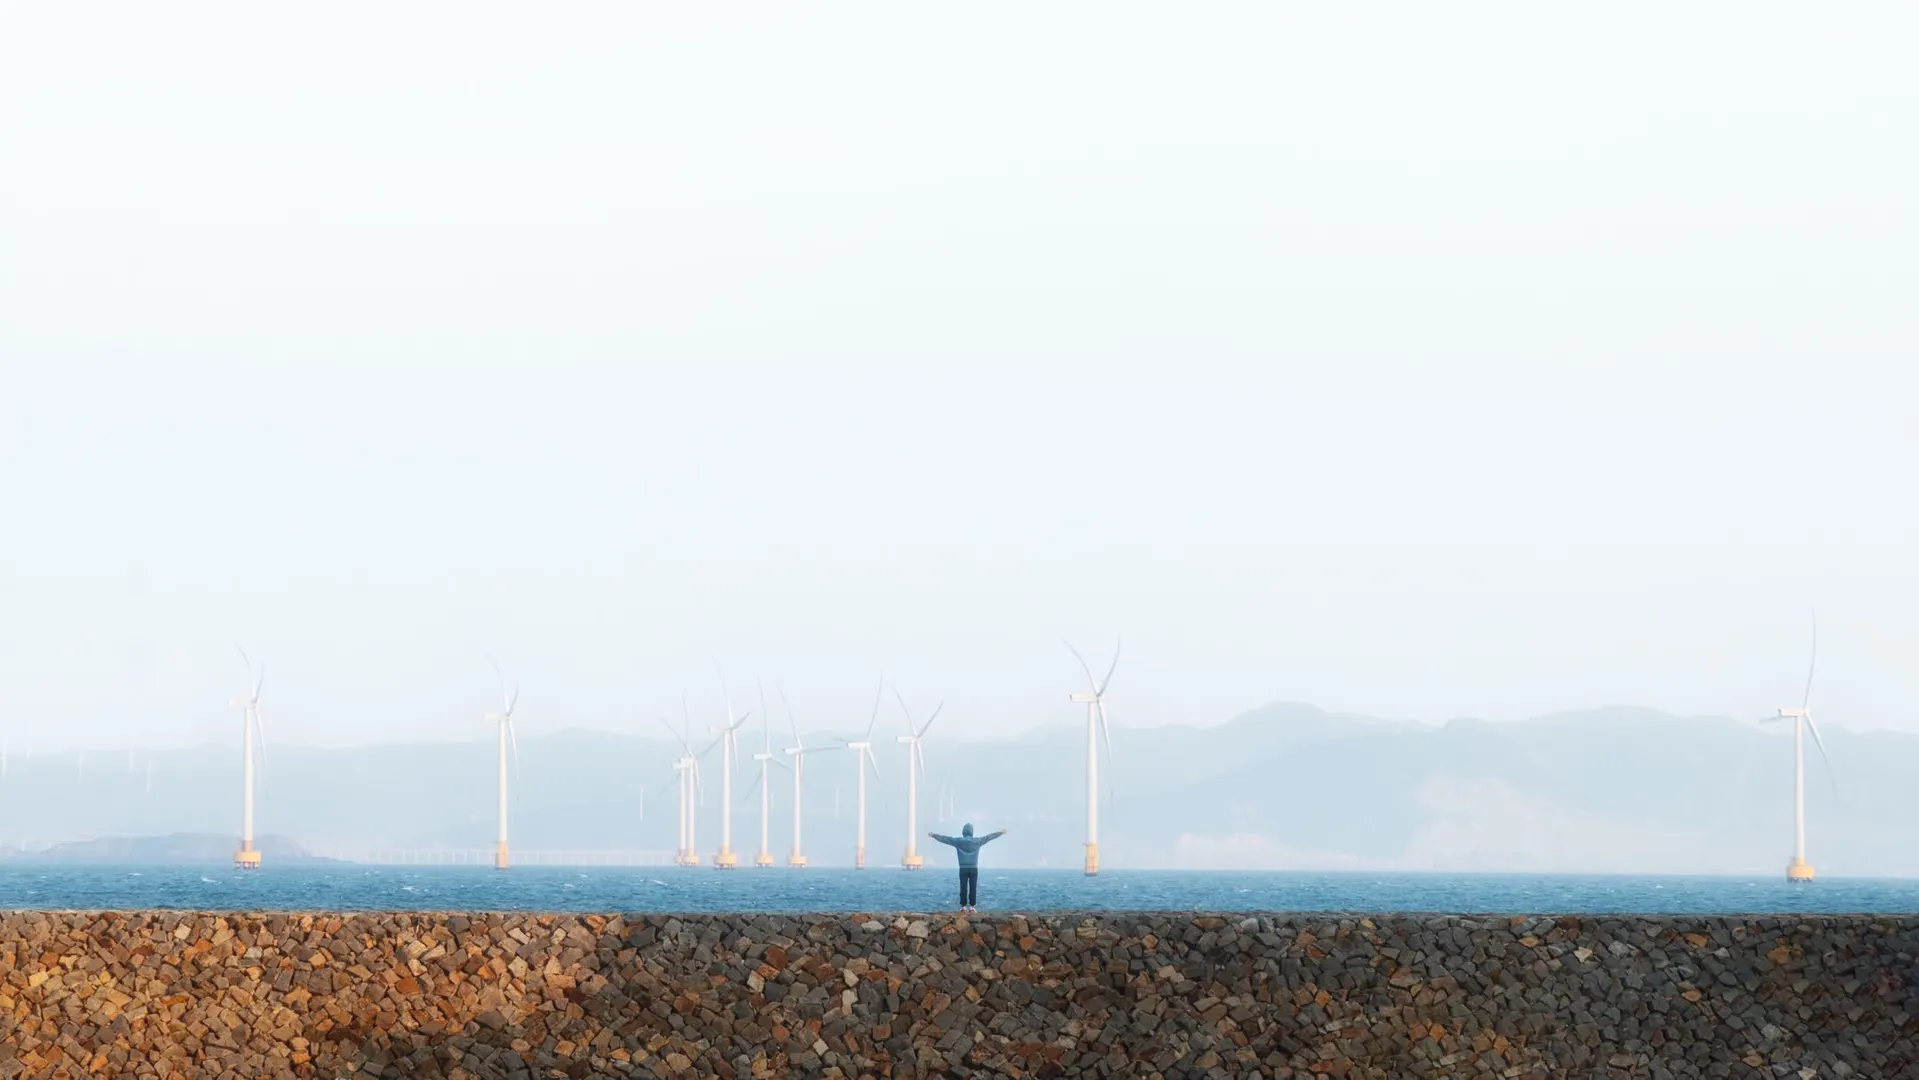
x=1285, y=785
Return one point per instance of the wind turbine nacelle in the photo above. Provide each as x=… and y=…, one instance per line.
x=241, y=703
x=905, y=739
x=1085, y=699
x=1794, y=714
x=859, y=746
x=762, y=757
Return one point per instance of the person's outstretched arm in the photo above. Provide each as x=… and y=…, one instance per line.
x=992, y=836
x=943, y=839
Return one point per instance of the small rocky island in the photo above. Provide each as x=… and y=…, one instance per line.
x=170, y=850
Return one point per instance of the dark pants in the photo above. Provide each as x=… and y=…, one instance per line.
x=969, y=886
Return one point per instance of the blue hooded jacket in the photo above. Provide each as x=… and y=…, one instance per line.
x=968, y=845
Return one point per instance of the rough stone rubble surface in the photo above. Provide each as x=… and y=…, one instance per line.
x=169, y=994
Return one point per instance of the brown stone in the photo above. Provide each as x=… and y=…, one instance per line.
x=324, y=996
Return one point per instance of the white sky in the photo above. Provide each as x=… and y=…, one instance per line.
x=1491, y=360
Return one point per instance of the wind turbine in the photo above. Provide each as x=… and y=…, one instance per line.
x=862, y=760
x=248, y=857
x=1095, y=703
x=505, y=722
x=765, y=758
x=798, y=753
x=728, y=743
x=915, y=759
x=1799, y=870
x=687, y=771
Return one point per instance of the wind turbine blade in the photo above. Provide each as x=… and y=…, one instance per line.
x=677, y=737
x=725, y=694
x=1082, y=665
x=1807, y=700
x=514, y=741
x=930, y=719
x=259, y=680
x=506, y=699
x=766, y=724
x=1107, y=731
x=1107, y=681
x=661, y=789
x=1821, y=744
x=260, y=745
x=919, y=758
x=513, y=699
x=878, y=697
x=901, y=698
x=879, y=789
x=790, y=718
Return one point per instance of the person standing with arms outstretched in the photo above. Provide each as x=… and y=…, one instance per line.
x=968, y=845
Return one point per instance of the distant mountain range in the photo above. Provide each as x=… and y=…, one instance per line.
x=1285, y=786
x=171, y=848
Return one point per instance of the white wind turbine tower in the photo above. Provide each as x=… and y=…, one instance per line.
x=798, y=753
x=1799, y=870
x=248, y=857
x=504, y=720
x=862, y=760
x=765, y=757
x=1095, y=702
x=728, y=743
x=915, y=760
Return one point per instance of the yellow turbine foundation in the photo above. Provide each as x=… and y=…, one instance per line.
x=247, y=858
x=796, y=860
x=859, y=858
x=725, y=860
x=763, y=859
x=1092, y=860
x=912, y=862
x=1798, y=870
x=499, y=856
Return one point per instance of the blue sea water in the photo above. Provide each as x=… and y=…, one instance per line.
x=351, y=888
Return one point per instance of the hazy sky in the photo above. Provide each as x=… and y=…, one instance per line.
x=1491, y=360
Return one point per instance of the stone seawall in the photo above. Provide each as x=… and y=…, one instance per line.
x=248, y=995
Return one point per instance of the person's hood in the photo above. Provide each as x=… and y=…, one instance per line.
x=968, y=830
